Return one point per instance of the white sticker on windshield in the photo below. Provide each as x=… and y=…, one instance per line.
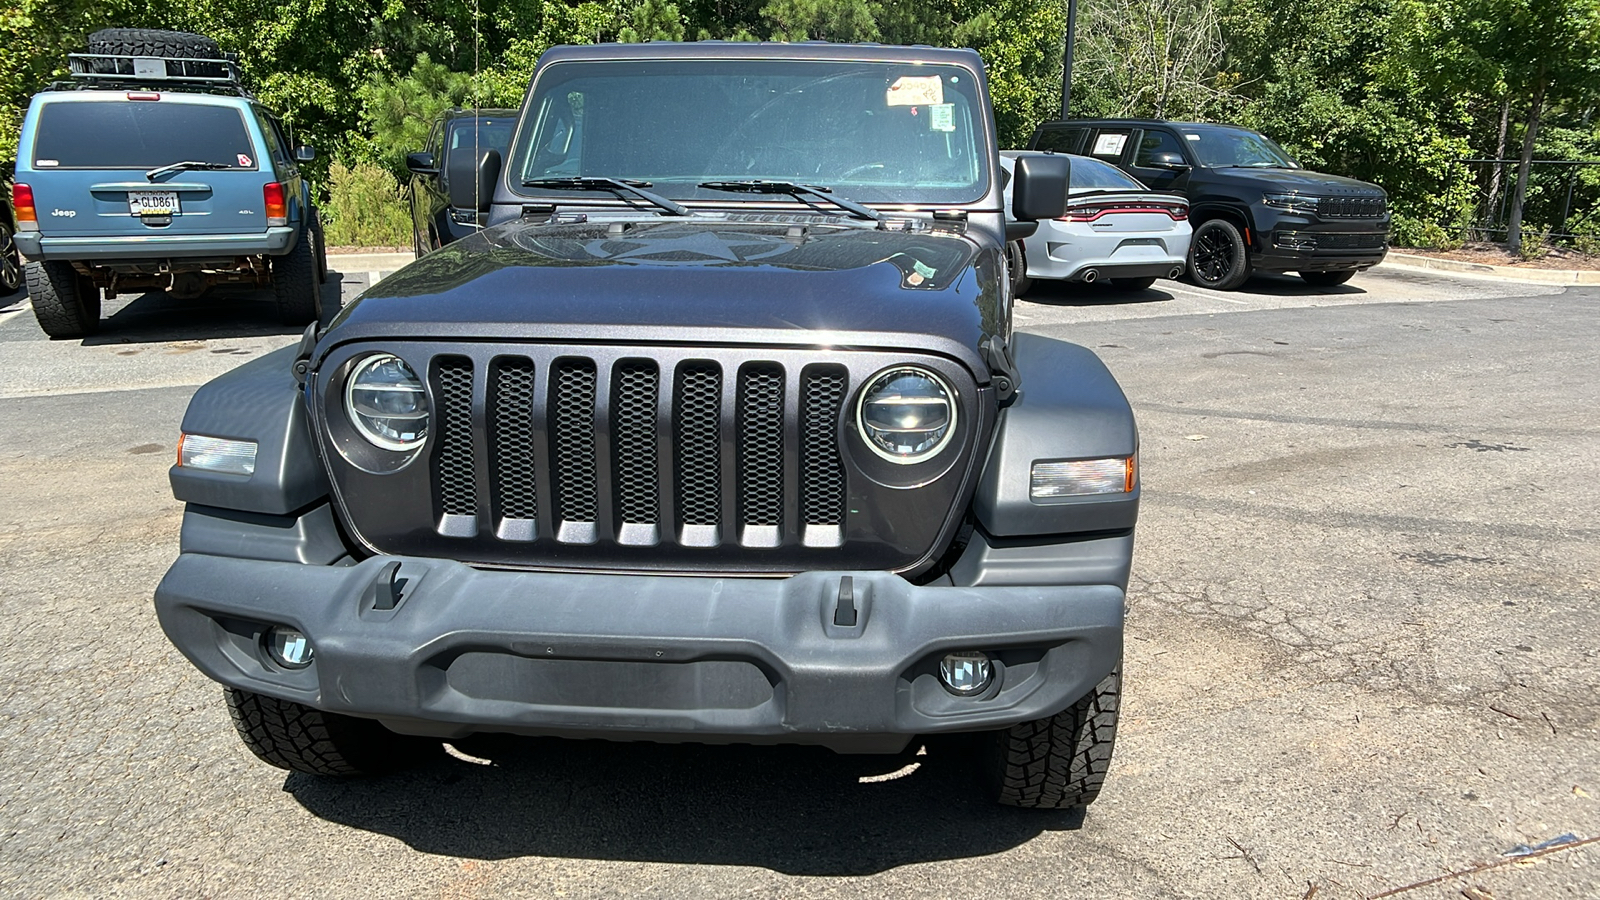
x=1192, y=137
x=916, y=90
x=1109, y=144
x=942, y=117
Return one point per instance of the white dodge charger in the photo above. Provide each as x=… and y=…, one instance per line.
x=1116, y=230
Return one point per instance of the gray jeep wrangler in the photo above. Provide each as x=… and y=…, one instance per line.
x=717, y=432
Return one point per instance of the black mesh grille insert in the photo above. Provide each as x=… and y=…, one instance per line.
x=822, y=481
x=511, y=437
x=761, y=444
x=458, y=486
x=635, y=389
x=572, y=396
x=699, y=397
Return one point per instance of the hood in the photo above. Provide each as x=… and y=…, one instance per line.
x=751, y=280
x=1302, y=181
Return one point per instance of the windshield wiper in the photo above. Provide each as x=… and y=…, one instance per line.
x=168, y=169
x=758, y=186
x=616, y=185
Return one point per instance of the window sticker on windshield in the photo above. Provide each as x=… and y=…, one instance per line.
x=46, y=163
x=1109, y=144
x=942, y=117
x=1192, y=137
x=916, y=90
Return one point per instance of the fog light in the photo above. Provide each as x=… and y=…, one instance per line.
x=966, y=673
x=289, y=648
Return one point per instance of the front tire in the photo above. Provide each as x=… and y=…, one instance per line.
x=1061, y=761
x=1017, y=264
x=1218, y=258
x=296, y=280
x=299, y=738
x=66, y=303
x=1333, y=278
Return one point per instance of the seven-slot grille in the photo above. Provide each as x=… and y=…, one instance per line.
x=1350, y=207
x=611, y=459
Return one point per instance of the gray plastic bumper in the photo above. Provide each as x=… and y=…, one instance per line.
x=647, y=657
x=104, y=248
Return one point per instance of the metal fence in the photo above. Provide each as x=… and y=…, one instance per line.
x=1560, y=193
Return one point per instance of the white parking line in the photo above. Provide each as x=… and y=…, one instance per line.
x=373, y=278
x=1209, y=295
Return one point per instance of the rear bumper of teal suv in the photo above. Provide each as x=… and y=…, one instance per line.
x=274, y=241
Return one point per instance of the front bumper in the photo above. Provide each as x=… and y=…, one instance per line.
x=274, y=241
x=753, y=660
x=1287, y=242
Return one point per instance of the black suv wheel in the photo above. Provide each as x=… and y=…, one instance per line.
x=10, y=262
x=1217, y=256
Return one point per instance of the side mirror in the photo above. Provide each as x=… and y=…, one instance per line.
x=472, y=179
x=421, y=164
x=1039, y=186
x=1168, y=160
x=303, y=153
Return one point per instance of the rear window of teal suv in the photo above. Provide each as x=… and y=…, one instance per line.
x=117, y=133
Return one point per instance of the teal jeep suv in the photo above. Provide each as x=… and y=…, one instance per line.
x=152, y=168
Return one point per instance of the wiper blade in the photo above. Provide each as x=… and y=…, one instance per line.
x=168, y=169
x=758, y=186
x=617, y=185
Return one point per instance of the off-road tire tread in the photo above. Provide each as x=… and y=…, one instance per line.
x=66, y=303
x=1061, y=761
x=291, y=273
x=153, y=42
x=300, y=738
x=1331, y=278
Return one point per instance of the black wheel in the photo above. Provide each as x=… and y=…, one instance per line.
x=296, y=737
x=1327, y=279
x=10, y=262
x=66, y=303
x=1017, y=263
x=296, y=280
x=1059, y=762
x=1217, y=256
x=1133, y=284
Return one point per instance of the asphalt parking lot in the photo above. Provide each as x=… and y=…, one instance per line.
x=1362, y=648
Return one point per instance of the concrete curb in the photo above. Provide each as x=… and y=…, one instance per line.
x=368, y=262
x=1512, y=273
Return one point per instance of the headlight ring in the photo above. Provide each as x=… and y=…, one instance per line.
x=387, y=404
x=907, y=414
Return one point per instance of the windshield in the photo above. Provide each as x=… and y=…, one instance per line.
x=1221, y=147
x=872, y=132
x=140, y=134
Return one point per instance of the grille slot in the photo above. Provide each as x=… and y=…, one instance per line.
x=457, y=481
x=761, y=445
x=572, y=398
x=511, y=438
x=635, y=393
x=1350, y=207
x=697, y=412
x=822, y=479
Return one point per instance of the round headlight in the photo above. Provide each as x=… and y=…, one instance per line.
x=387, y=404
x=907, y=414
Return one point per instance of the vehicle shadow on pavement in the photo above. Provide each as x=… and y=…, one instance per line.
x=1293, y=286
x=1063, y=293
x=794, y=810
x=223, y=312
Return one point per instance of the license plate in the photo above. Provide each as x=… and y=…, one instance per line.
x=153, y=203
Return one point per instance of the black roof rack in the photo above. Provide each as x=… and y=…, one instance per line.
x=108, y=71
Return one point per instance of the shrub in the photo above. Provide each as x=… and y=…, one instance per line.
x=365, y=208
x=1421, y=234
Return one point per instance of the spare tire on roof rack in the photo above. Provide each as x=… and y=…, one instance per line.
x=152, y=42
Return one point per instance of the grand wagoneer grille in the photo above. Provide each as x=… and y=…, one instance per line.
x=1351, y=207
x=657, y=458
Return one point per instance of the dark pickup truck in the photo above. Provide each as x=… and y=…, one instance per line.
x=717, y=432
x=1253, y=207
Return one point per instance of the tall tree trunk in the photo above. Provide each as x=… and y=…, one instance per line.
x=1497, y=170
x=1520, y=193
